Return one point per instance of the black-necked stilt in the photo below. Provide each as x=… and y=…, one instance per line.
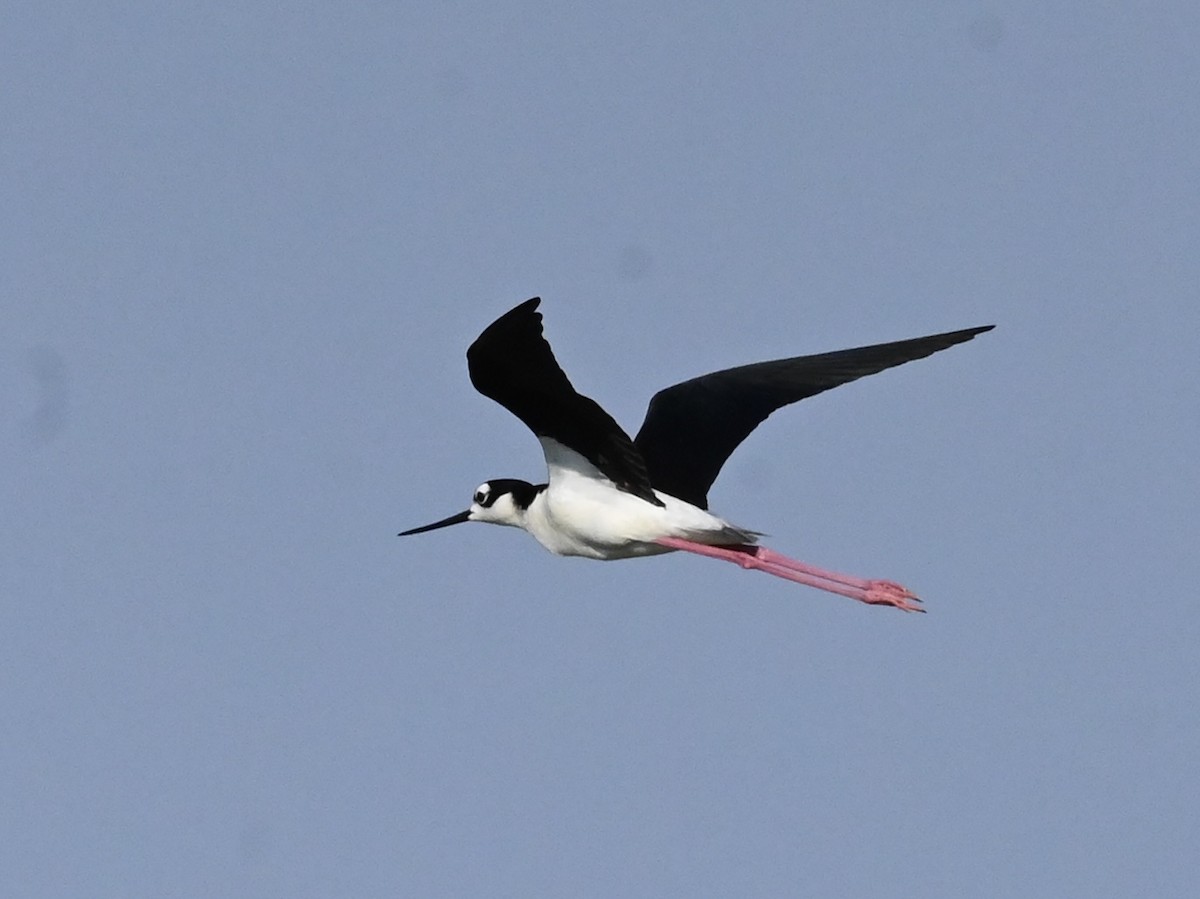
x=610, y=497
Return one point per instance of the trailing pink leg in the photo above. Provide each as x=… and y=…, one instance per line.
x=875, y=591
x=762, y=559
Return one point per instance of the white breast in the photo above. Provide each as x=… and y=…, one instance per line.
x=582, y=513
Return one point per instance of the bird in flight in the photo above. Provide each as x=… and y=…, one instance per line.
x=611, y=497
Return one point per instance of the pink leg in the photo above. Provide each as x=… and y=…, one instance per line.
x=763, y=559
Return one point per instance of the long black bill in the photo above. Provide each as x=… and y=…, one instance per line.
x=444, y=523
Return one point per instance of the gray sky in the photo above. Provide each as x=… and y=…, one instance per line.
x=244, y=248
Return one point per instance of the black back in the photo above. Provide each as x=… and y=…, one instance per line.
x=512, y=363
x=693, y=427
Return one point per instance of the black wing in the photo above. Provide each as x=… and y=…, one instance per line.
x=512, y=363
x=693, y=427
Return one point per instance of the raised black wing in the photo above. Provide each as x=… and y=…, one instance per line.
x=693, y=427
x=512, y=363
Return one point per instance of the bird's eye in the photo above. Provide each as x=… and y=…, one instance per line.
x=480, y=496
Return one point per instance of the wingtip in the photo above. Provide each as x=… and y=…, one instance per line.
x=967, y=333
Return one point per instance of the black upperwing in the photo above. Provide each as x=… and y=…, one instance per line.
x=512, y=363
x=692, y=428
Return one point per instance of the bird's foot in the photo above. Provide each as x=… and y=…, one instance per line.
x=889, y=593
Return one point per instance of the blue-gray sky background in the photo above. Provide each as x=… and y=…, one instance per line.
x=244, y=247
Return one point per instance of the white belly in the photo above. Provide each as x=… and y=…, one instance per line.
x=581, y=513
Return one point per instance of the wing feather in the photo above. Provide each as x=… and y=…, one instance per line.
x=691, y=428
x=512, y=363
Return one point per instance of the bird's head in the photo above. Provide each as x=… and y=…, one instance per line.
x=498, y=501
